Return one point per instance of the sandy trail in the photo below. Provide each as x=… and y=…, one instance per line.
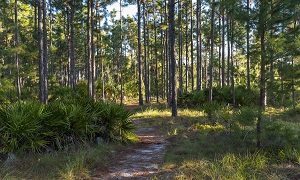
x=140, y=160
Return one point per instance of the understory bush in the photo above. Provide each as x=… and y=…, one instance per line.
x=196, y=98
x=30, y=126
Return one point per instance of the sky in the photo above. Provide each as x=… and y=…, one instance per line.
x=130, y=10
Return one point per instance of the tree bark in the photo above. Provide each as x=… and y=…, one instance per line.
x=199, y=47
x=45, y=52
x=40, y=46
x=212, y=38
x=248, y=45
x=172, y=56
x=16, y=53
x=261, y=29
x=139, y=54
x=192, y=47
x=72, y=47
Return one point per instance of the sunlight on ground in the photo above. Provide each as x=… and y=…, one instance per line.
x=150, y=113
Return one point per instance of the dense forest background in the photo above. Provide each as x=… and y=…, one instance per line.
x=68, y=67
x=249, y=45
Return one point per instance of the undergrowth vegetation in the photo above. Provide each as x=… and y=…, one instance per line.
x=208, y=142
x=223, y=146
x=68, y=121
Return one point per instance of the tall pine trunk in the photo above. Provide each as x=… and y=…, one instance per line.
x=248, y=45
x=212, y=38
x=16, y=53
x=72, y=48
x=172, y=56
x=261, y=30
x=139, y=53
x=40, y=49
x=45, y=52
x=199, y=47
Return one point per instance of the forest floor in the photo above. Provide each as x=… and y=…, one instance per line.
x=141, y=160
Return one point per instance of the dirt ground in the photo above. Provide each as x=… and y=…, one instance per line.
x=141, y=160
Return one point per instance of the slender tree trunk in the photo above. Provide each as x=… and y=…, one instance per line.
x=89, y=50
x=40, y=46
x=45, y=52
x=199, y=47
x=192, y=47
x=139, y=54
x=223, y=47
x=186, y=49
x=172, y=56
x=50, y=38
x=232, y=64
x=16, y=53
x=212, y=38
x=121, y=54
x=180, y=46
x=220, y=53
x=145, y=54
x=156, y=58
x=248, y=45
x=261, y=28
x=93, y=65
x=72, y=48
x=228, y=50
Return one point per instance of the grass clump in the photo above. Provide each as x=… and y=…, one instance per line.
x=229, y=166
x=223, y=146
x=78, y=163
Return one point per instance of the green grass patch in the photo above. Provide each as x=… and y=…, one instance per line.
x=77, y=163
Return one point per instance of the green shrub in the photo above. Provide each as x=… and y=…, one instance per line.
x=193, y=99
x=116, y=121
x=279, y=135
x=21, y=127
x=32, y=126
x=246, y=97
